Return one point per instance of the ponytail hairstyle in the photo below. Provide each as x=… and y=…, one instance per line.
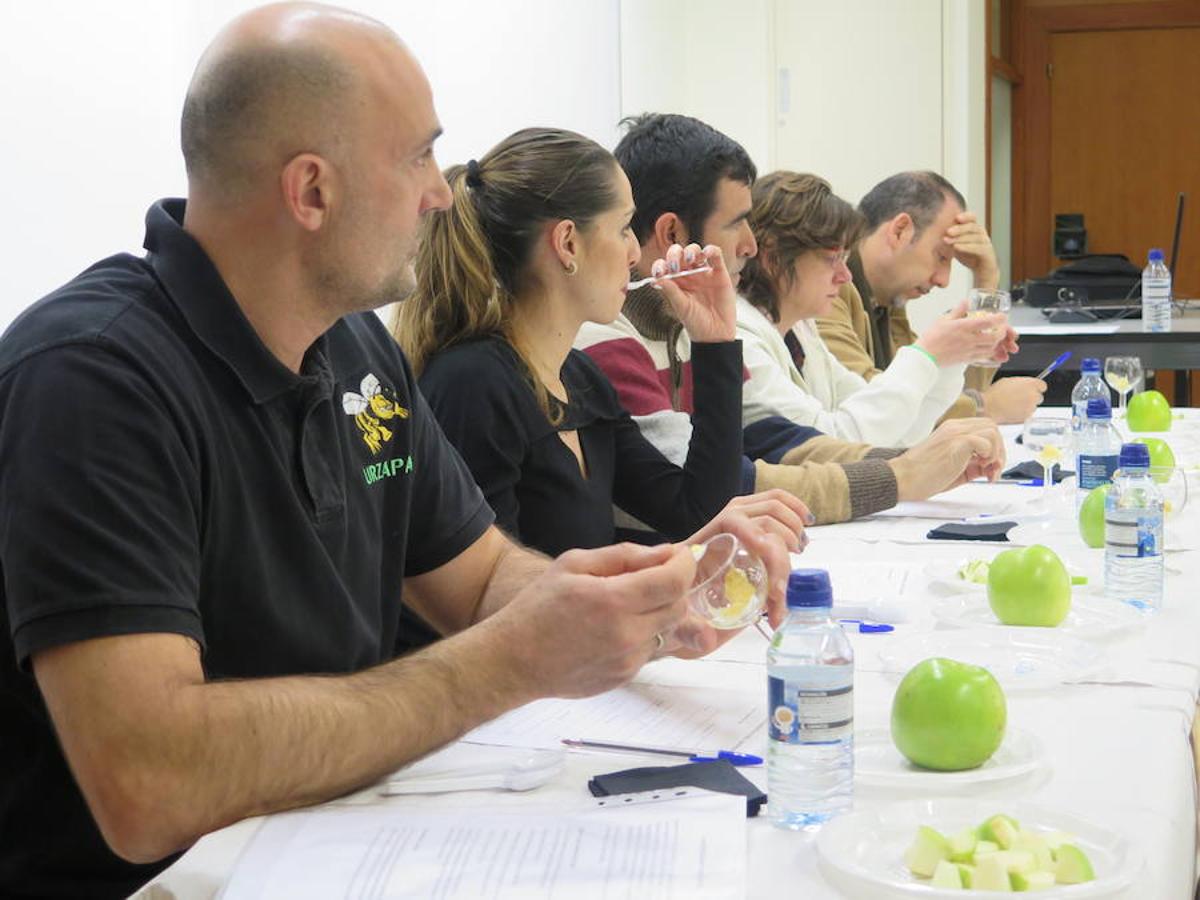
x=790, y=214
x=471, y=258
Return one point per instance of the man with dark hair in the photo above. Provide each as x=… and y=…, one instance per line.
x=917, y=224
x=220, y=482
x=677, y=163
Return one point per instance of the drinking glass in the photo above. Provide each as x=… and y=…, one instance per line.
x=1122, y=374
x=982, y=302
x=730, y=587
x=1049, y=438
x=1172, y=484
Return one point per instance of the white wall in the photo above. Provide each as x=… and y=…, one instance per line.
x=871, y=87
x=712, y=62
x=90, y=95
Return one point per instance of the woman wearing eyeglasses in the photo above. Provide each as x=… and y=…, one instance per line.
x=804, y=233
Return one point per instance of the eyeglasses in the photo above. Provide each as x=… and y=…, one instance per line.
x=835, y=258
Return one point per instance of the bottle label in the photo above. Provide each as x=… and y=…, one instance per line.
x=804, y=715
x=1133, y=534
x=1095, y=469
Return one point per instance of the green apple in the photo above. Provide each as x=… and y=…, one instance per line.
x=1029, y=586
x=1148, y=411
x=948, y=715
x=1091, y=516
x=1161, y=456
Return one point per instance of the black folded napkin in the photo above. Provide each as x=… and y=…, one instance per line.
x=718, y=775
x=1032, y=469
x=976, y=531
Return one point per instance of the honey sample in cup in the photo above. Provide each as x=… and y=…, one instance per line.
x=730, y=587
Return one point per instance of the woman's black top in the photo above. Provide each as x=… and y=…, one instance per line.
x=482, y=396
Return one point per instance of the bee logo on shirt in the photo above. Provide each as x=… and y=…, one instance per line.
x=371, y=408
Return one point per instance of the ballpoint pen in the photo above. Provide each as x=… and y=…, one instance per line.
x=737, y=759
x=642, y=282
x=1062, y=358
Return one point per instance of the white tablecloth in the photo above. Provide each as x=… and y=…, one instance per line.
x=1119, y=750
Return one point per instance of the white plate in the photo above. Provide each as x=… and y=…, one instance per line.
x=945, y=573
x=1059, y=533
x=862, y=853
x=1022, y=659
x=877, y=763
x=1090, y=618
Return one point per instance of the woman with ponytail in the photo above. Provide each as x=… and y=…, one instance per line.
x=537, y=242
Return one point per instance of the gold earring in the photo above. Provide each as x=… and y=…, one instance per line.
x=572, y=267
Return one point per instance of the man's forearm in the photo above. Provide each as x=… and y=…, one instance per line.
x=516, y=566
x=218, y=752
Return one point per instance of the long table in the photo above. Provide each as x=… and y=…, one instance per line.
x=1041, y=341
x=1117, y=743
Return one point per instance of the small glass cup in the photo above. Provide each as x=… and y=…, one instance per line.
x=730, y=587
x=1049, y=439
x=1173, y=485
x=982, y=302
x=1122, y=373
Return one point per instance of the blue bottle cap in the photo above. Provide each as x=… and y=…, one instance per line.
x=1089, y=365
x=1156, y=255
x=809, y=588
x=1133, y=456
x=1099, y=408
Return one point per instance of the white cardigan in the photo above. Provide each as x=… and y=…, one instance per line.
x=897, y=408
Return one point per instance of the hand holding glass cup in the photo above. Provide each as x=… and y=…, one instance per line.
x=1049, y=439
x=982, y=302
x=730, y=587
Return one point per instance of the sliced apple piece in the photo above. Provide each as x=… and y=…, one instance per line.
x=1072, y=866
x=967, y=873
x=991, y=875
x=928, y=849
x=1000, y=829
x=1031, y=881
x=962, y=845
x=946, y=875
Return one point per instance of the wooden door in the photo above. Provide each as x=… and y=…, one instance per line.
x=1092, y=72
x=1125, y=140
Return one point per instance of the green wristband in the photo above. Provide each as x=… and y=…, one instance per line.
x=932, y=358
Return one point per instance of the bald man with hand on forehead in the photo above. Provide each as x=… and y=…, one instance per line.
x=220, y=481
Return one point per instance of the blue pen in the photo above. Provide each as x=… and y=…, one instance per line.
x=737, y=759
x=1063, y=357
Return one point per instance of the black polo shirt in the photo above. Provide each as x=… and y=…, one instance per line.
x=162, y=471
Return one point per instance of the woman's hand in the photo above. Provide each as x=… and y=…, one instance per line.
x=704, y=303
x=961, y=338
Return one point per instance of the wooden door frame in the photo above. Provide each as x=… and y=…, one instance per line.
x=1032, y=31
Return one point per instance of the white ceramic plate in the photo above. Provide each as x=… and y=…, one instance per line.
x=1022, y=659
x=1091, y=618
x=945, y=573
x=862, y=853
x=877, y=763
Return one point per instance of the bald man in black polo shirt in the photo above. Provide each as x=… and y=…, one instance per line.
x=218, y=479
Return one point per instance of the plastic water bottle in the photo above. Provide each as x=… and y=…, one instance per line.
x=1097, y=448
x=1133, y=533
x=1156, y=294
x=1090, y=386
x=810, y=701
